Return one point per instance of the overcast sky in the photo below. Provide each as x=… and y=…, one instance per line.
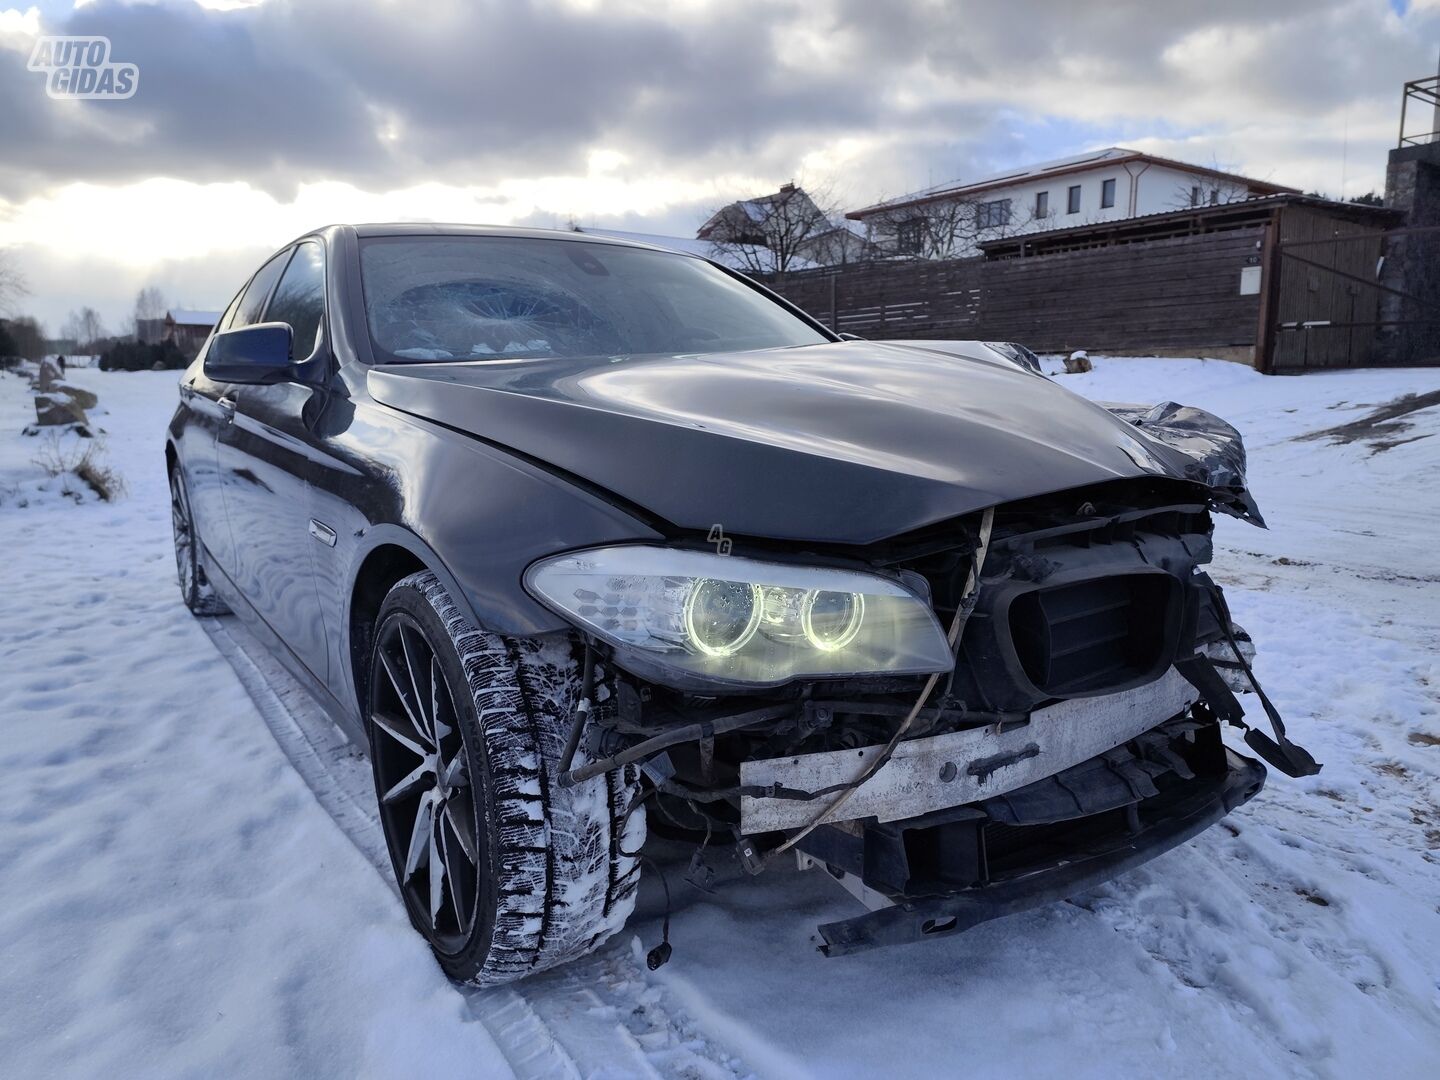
x=255, y=122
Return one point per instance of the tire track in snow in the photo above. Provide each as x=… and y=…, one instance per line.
x=597, y=1017
x=339, y=776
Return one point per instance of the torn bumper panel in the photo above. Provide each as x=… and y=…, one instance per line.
x=1155, y=825
x=960, y=767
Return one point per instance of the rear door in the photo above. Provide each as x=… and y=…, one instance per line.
x=204, y=416
x=218, y=398
x=266, y=453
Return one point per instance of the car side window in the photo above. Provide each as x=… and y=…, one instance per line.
x=300, y=298
x=224, y=323
x=253, y=302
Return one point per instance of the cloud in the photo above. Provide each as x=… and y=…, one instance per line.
x=390, y=94
x=262, y=120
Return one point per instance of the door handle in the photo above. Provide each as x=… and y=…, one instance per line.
x=322, y=532
x=227, y=406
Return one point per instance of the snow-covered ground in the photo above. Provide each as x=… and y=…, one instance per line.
x=191, y=883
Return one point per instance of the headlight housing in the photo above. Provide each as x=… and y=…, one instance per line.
x=684, y=618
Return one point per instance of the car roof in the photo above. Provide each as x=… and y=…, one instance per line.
x=431, y=228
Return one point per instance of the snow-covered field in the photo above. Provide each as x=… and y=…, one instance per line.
x=191, y=883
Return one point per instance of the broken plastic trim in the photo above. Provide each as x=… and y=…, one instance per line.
x=932, y=917
x=1290, y=758
x=1212, y=451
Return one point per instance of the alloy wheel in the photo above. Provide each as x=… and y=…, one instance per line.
x=184, y=535
x=427, y=803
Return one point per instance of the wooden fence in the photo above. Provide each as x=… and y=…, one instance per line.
x=1173, y=294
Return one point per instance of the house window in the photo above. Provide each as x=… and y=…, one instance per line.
x=1042, y=204
x=1214, y=196
x=1195, y=196
x=908, y=236
x=992, y=215
x=1072, y=201
x=1107, y=194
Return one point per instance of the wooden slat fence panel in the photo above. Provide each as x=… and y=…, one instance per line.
x=1176, y=293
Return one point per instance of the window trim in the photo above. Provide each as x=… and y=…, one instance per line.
x=910, y=236
x=322, y=330
x=288, y=250
x=986, y=212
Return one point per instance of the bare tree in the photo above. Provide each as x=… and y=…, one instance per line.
x=84, y=326
x=28, y=337
x=150, y=307
x=770, y=233
x=950, y=228
x=12, y=284
x=150, y=303
x=938, y=229
x=1208, y=190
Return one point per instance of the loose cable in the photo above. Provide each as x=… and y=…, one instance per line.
x=962, y=613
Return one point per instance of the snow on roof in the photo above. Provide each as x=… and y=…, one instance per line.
x=193, y=317
x=1110, y=153
x=1063, y=165
x=757, y=209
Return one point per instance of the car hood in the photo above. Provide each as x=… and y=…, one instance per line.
x=845, y=443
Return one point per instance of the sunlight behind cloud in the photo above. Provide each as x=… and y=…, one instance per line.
x=15, y=23
x=145, y=222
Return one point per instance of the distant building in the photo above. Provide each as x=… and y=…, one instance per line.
x=150, y=331
x=747, y=221
x=786, y=230
x=952, y=220
x=188, y=329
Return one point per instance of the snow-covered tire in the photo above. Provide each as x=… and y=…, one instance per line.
x=557, y=867
x=195, y=588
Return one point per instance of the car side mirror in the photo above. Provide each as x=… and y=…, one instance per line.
x=253, y=354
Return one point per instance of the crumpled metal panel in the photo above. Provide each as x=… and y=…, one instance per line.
x=1216, y=451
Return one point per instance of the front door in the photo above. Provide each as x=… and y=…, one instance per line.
x=266, y=453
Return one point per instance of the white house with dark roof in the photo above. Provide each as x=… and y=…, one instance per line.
x=949, y=220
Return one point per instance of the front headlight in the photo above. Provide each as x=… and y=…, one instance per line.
x=671, y=613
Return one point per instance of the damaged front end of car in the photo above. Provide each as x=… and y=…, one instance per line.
x=969, y=720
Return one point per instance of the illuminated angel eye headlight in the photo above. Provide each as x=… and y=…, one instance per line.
x=831, y=620
x=696, y=619
x=721, y=616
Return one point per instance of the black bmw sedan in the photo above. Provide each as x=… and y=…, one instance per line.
x=566, y=532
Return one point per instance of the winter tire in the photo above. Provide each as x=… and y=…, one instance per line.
x=195, y=588
x=504, y=871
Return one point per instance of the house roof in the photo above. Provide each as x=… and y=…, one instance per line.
x=193, y=317
x=1169, y=223
x=757, y=210
x=1095, y=159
